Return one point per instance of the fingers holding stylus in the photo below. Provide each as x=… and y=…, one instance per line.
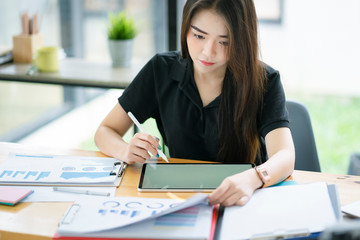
x=141, y=146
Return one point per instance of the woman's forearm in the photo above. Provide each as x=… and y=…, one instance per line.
x=110, y=142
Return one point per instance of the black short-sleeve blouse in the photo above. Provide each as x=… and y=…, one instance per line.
x=165, y=90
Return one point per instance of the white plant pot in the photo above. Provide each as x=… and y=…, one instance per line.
x=121, y=52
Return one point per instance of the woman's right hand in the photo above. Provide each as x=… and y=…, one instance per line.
x=109, y=138
x=139, y=147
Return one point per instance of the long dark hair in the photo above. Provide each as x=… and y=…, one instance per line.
x=244, y=81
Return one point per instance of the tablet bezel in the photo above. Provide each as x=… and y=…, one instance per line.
x=142, y=175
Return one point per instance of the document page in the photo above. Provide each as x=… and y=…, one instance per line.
x=353, y=209
x=47, y=169
x=101, y=214
x=293, y=210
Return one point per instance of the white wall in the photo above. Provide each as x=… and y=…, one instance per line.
x=316, y=48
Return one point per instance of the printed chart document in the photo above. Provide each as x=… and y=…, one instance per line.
x=285, y=211
x=20, y=169
x=131, y=217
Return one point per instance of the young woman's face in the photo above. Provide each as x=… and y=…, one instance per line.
x=208, y=40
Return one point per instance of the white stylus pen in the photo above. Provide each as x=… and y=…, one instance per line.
x=142, y=130
x=80, y=191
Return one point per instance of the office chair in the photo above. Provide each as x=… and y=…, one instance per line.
x=349, y=230
x=306, y=157
x=354, y=164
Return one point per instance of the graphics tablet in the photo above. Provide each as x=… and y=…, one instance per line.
x=186, y=177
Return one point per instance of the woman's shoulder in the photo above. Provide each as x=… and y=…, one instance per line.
x=170, y=64
x=272, y=78
x=168, y=57
x=270, y=71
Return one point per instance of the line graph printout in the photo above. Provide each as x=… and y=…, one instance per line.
x=41, y=169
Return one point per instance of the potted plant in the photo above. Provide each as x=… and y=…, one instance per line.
x=121, y=34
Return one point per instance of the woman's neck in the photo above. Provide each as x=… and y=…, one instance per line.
x=209, y=86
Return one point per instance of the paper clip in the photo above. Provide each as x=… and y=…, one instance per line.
x=118, y=171
x=115, y=170
x=122, y=169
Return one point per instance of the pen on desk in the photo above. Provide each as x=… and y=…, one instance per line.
x=142, y=130
x=80, y=191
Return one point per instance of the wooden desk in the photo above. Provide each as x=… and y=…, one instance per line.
x=75, y=72
x=39, y=220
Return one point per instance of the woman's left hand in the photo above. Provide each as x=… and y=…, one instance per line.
x=236, y=189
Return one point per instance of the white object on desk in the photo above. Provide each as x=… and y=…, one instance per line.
x=352, y=209
x=47, y=194
x=81, y=191
x=103, y=213
x=193, y=223
x=285, y=211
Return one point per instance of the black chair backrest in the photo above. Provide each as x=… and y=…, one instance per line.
x=306, y=157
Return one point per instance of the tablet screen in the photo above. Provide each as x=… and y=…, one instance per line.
x=186, y=176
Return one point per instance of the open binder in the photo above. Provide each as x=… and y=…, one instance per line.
x=54, y=170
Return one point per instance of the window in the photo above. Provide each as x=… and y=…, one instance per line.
x=79, y=27
x=269, y=11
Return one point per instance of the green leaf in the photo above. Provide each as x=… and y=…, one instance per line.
x=121, y=26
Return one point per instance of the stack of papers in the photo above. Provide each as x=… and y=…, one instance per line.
x=138, y=218
x=352, y=209
x=11, y=195
x=283, y=212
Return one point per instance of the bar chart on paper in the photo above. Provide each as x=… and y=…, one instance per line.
x=36, y=175
x=184, y=218
x=139, y=218
x=32, y=169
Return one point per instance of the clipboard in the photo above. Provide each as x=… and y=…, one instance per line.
x=56, y=170
x=119, y=171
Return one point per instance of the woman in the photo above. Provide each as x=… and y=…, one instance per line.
x=216, y=101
